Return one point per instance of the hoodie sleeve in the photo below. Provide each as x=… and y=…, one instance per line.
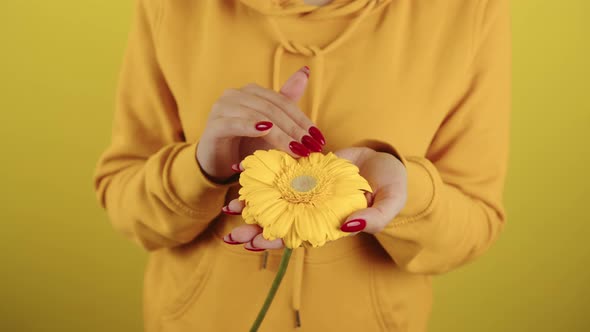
x=148, y=179
x=454, y=209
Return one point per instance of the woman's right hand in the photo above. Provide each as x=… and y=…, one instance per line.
x=255, y=118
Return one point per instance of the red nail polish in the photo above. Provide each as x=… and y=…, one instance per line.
x=231, y=240
x=226, y=210
x=236, y=168
x=311, y=143
x=253, y=248
x=306, y=71
x=299, y=149
x=264, y=125
x=355, y=225
x=317, y=135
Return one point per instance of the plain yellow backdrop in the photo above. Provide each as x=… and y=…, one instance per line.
x=62, y=267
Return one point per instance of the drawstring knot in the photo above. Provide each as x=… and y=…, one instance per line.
x=298, y=48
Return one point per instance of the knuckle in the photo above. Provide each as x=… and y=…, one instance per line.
x=228, y=92
x=286, y=103
x=258, y=242
x=268, y=108
x=218, y=124
x=217, y=106
x=234, y=126
x=295, y=132
x=250, y=86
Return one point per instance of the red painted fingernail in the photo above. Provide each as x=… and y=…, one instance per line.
x=264, y=125
x=355, y=225
x=299, y=149
x=311, y=143
x=306, y=70
x=317, y=135
x=231, y=240
x=252, y=247
x=226, y=210
x=236, y=168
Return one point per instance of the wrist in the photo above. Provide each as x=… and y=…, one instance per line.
x=209, y=171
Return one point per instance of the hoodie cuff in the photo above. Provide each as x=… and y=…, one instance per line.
x=422, y=189
x=191, y=188
x=423, y=181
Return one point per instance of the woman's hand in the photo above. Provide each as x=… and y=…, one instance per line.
x=254, y=118
x=386, y=176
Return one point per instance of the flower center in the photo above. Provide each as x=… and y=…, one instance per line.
x=303, y=183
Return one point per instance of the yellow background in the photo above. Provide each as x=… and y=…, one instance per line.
x=62, y=267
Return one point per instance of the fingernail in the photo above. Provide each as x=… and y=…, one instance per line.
x=355, y=225
x=311, y=143
x=236, y=168
x=306, y=70
x=231, y=240
x=263, y=125
x=226, y=210
x=317, y=135
x=252, y=247
x=299, y=149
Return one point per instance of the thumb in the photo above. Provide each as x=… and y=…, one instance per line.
x=296, y=84
x=387, y=203
x=369, y=220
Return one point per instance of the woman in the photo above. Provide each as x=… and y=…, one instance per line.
x=416, y=93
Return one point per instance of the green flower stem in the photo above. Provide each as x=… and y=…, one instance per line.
x=273, y=289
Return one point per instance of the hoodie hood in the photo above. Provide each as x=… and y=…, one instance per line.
x=358, y=10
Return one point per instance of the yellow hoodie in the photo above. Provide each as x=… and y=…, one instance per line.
x=427, y=80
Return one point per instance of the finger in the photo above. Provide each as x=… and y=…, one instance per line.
x=276, y=137
x=242, y=234
x=297, y=137
x=286, y=134
x=283, y=103
x=386, y=205
x=259, y=242
x=237, y=168
x=228, y=127
x=295, y=86
x=234, y=207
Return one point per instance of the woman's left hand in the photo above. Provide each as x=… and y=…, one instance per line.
x=386, y=176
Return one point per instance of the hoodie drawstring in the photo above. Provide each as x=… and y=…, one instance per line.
x=297, y=282
x=317, y=55
x=315, y=52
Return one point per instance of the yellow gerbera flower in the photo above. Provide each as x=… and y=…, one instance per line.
x=302, y=201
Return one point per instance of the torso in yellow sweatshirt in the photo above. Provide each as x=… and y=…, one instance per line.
x=427, y=79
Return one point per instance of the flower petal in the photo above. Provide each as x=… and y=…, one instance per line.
x=272, y=215
x=292, y=240
x=309, y=226
x=280, y=226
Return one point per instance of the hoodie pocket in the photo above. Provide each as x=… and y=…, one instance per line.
x=225, y=292
x=403, y=300
x=190, y=292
